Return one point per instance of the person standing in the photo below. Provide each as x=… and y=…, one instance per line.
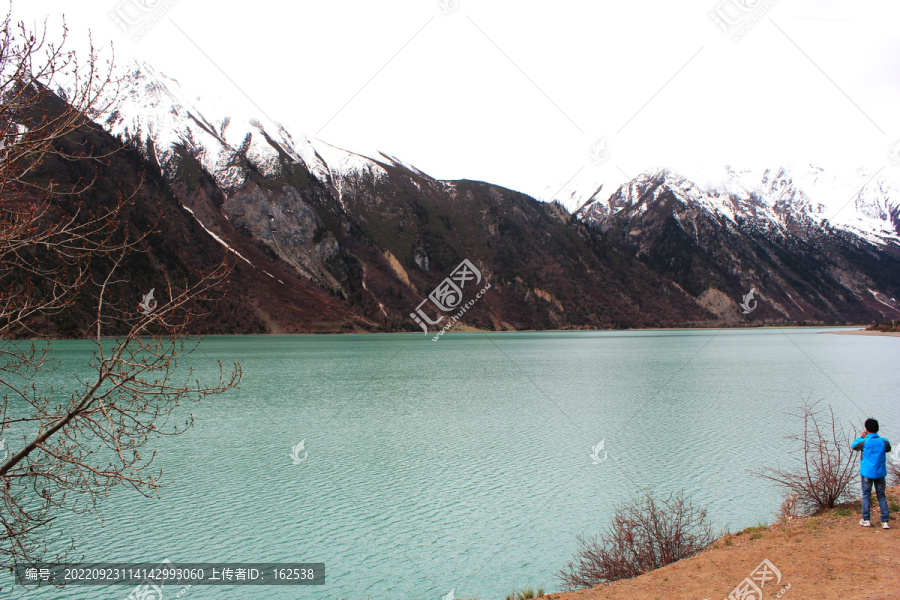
x=873, y=470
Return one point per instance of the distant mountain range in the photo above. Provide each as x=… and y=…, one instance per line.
x=769, y=233
x=328, y=240
x=863, y=203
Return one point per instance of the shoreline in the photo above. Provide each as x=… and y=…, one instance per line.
x=868, y=332
x=802, y=547
x=851, y=330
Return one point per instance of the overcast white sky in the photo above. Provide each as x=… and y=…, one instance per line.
x=518, y=92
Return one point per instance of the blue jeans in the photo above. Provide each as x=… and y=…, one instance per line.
x=867, y=494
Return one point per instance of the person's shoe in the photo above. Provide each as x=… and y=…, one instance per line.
x=884, y=525
x=865, y=523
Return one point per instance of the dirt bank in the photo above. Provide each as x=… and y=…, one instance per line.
x=826, y=557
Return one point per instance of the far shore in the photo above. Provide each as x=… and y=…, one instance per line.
x=461, y=328
x=868, y=332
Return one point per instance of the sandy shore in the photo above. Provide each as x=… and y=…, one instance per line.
x=864, y=332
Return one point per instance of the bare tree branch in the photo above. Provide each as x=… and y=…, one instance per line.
x=644, y=534
x=73, y=445
x=824, y=467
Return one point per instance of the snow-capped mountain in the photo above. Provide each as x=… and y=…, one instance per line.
x=864, y=202
x=589, y=184
x=658, y=248
x=155, y=108
x=799, y=240
x=793, y=200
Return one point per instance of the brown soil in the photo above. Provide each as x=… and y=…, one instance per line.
x=825, y=557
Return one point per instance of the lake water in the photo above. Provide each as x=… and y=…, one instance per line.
x=464, y=463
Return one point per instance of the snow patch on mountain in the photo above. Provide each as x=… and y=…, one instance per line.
x=156, y=108
x=588, y=184
x=217, y=238
x=862, y=203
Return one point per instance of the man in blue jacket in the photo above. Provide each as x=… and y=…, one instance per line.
x=873, y=469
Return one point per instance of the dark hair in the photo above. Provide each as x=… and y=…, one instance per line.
x=871, y=425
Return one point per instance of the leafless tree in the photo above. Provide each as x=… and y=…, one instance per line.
x=64, y=449
x=50, y=249
x=824, y=467
x=644, y=534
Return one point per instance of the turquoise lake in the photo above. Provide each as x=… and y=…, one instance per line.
x=465, y=463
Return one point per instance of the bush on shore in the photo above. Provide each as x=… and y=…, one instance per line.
x=644, y=534
x=825, y=466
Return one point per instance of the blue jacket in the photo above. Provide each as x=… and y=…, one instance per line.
x=874, y=455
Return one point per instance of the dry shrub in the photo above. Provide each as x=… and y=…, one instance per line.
x=644, y=534
x=825, y=466
x=788, y=508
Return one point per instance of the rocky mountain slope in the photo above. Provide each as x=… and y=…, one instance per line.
x=380, y=234
x=719, y=243
x=863, y=202
x=173, y=246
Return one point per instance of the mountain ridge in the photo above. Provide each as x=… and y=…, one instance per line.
x=378, y=233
